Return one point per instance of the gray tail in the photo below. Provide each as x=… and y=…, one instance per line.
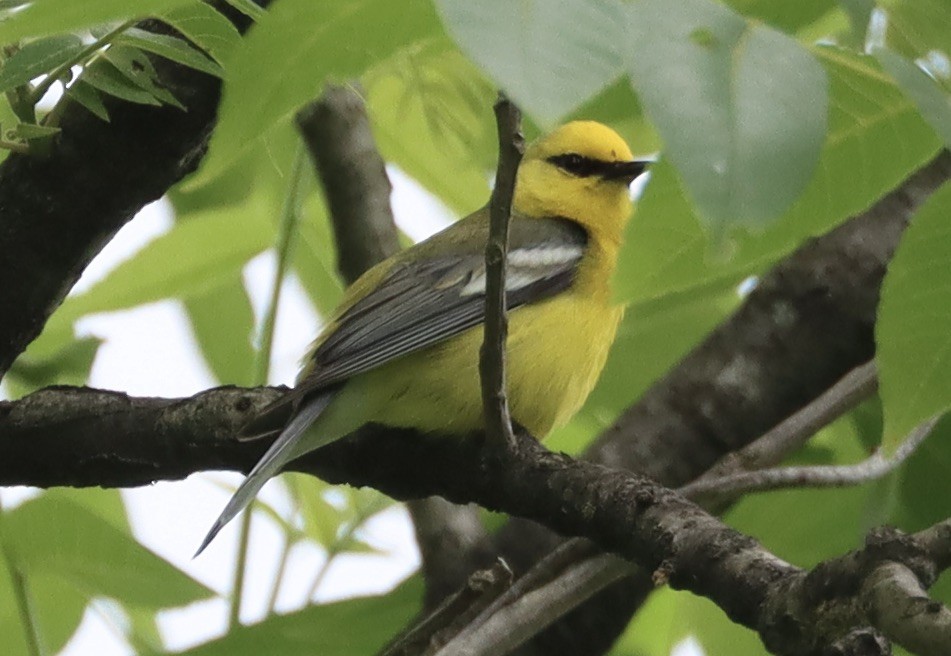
x=281, y=452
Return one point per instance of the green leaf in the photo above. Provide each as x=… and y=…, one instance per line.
x=548, y=56
x=290, y=53
x=222, y=321
x=70, y=365
x=741, y=107
x=38, y=58
x=59, y=608
x=707, y=624
x=190, y=259
x=170, y=47
x=55, y=537
x=28, y=131
x=104, y=76
x=430, y=112
x=914, y=28
x=43, y=17
x=355, y=626
x=914, y=343
x=618, y=107
x=207, y=28
x=876, y=139
x=248, y=8
x=315, y=257
x=933, y=102
x=789, y=17
x=57, y=611
x=322, y=520
x=138, y=68
x=860, y=15
x=104, y=503
x=87, y=96
x=924, y=486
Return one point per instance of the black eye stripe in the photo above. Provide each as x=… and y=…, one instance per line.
x=581, y=166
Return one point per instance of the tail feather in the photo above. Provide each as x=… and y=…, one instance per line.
x=283, y=450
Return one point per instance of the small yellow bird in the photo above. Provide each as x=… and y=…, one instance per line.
x=403, y=347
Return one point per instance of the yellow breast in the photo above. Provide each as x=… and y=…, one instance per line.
x=555, y=352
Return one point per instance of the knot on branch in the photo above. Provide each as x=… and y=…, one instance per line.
x=888, y=544
x=861, y=642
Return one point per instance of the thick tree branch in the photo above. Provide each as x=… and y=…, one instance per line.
x=86, y=437
x=809, y=321
x=58, y=211
x=582, y=573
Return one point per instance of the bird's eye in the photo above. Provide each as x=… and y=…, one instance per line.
x=575, y=164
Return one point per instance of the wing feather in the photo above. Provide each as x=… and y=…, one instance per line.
x=421, y=303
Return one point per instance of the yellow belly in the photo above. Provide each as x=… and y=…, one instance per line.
x=555, y=352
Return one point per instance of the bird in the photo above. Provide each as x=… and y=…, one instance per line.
x=402, y=348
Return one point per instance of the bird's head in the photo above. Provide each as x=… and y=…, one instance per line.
x=581, y=171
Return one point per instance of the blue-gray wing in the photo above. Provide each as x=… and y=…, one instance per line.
x=422, y=303
x=427, y=300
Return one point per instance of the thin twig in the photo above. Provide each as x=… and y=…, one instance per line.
x=518, y=621
x=279, y=575
x=287, y=230
x=552, y=566
x=240, y=566
x=792, y=433
x=870, y=469
x=22, y=597
x=15, y=147
x=498, y=423
x=454, y=612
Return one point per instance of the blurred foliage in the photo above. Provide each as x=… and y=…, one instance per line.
x=776, y=122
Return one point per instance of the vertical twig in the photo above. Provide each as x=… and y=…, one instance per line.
x=22, y=597
x=285, y=239
x=498, y=423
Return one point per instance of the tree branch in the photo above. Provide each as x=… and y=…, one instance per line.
x=80, y=436
x=900, y=606
x=793, y=432
x=498, y=422
x=827, y=293
x=586, y=573
x=58, y=211
x=775, y=478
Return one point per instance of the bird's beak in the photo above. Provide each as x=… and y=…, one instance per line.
x=626, y=171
